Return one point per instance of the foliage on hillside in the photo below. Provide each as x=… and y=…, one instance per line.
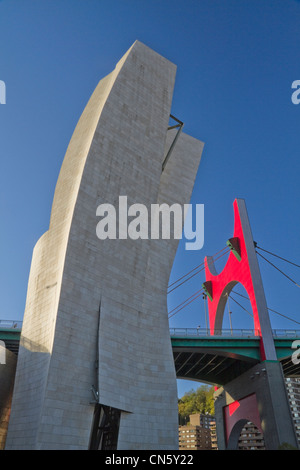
x=196, y=401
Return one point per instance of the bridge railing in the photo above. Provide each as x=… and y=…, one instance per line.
x=286, y=333
x=10, y=324
x=206, y=332
x=243, y=332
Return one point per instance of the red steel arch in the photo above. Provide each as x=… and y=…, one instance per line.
x=241, y=267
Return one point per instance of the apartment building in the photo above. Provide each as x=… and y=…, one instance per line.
x=293, y=390
x=197, y=435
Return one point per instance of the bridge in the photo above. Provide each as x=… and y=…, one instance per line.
x=10, y=332
x=198, y=356
x=220, y=358
x=248, y=366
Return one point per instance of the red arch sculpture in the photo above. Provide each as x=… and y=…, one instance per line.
x=241, y=267
x=238, y=413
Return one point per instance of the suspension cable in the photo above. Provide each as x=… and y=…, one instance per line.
x=175, y=282
x=186, y=304
x=270, y=309
x=201, y=291
x=191, y=299
x=278, y=269
x=241, y=295
x=197, y=272
x=285, y=316
x=240, y=305
x=277, y=256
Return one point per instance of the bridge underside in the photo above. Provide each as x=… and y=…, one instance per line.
x=220, y=360
x=208, y=368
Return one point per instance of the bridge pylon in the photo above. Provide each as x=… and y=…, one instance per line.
x=259, y=395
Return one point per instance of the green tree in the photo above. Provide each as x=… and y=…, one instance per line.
x=196, y=401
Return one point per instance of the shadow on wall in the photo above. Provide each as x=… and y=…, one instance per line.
x=39, y=356
x=7, y=378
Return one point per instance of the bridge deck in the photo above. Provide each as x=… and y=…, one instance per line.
x=219, y=359
x=204, y=358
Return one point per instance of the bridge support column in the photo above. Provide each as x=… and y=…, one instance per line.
x=259, y=395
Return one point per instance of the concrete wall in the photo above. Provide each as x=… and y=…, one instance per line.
x=104, y=301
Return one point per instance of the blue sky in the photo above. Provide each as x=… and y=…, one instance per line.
x=236, y=63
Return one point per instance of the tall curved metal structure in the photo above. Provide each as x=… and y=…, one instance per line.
x=95, y=366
